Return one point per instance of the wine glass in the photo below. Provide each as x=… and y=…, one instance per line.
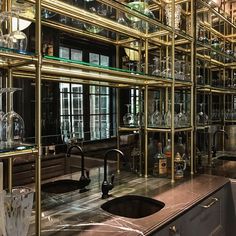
x=166, y=68
x=46, y=14
x=2, y=113
x=13, y=124
x=182, y=118
x=128, y=118
x=17, y=39
x=99, y=10
x=202, y=117
x=167, y=117
x=156, y=116
x=156, y=70
x=3, y=38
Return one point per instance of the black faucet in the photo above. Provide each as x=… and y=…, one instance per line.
x=84, y=179
x=213, y=148
x=106, y=186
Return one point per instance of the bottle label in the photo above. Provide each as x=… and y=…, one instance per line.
x=162, y=166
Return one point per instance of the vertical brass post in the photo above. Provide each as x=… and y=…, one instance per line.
x=146, y=115
x=172, y=89
x=118, y=126
x=145, y=132
x=193, y=102
x=38, y=117
x=118, y=109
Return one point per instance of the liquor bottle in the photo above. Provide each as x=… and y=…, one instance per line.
x=180, y=147
x=160, y=162
x=168, y=154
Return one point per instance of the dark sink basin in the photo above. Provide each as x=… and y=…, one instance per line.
x=62, y=186
x=133, y=206
x=227, y=158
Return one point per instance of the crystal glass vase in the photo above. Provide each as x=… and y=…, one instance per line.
x=16, y=208
x=13, y=124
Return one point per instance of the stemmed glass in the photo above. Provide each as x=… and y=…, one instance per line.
x=13, y=124
x=2, y=113
x=128, y=118
x=101, y=11
x=202, y=118
x=156, y=116
x=167, y=117
x=166, y=68
x=3, y=38
x=156, y=70
x=181, y=116
x=17, y=39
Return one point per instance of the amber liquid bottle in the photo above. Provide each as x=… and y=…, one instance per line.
x=168, y=154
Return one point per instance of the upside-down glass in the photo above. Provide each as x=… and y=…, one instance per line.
x=129, y=118
x=156, y=116
x=13, y=125
x=202, y=117
x=16, y=39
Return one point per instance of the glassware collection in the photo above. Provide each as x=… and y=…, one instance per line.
x=158, y=117
x=15, y=39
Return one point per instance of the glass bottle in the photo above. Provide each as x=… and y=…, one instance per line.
x=180, y=166
x=160, y=162
x=168, y=154
x=180, y=147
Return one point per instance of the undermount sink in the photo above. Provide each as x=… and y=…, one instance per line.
x=132, y=206
x=62, y=186
x=227, y=158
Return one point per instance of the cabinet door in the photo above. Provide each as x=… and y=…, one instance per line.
x=176, y=228
x=207, y=218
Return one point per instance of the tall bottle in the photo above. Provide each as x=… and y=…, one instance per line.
x=160, y=162
x=180, y=147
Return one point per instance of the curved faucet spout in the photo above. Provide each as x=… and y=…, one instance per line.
x=214, y=140
x=105, y=160
x=107, y=186
x=81, y=153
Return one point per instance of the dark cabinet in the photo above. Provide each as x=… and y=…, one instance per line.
x=52, y=166
x=214, y=216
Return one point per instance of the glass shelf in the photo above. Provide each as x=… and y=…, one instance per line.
x=6, y=151
x=92, y=65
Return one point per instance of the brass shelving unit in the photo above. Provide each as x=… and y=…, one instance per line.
x=163, y=40
x=219, y=59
